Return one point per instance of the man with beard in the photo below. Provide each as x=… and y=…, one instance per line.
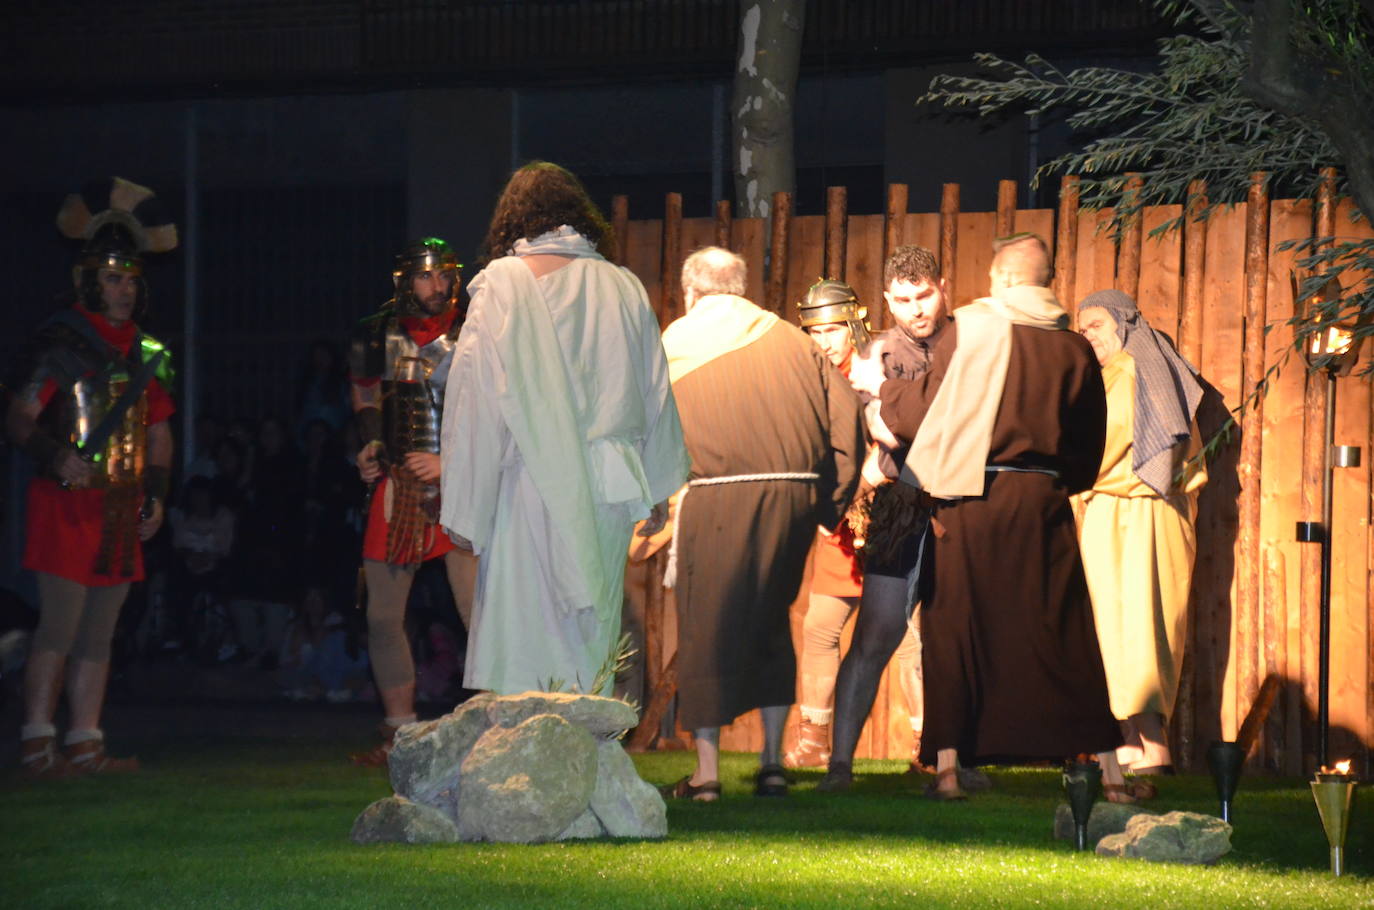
x=1007, y=422
x=916, y=296
x=90, y=408
x=399, y=364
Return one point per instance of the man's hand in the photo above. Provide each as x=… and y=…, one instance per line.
x=658, y=517
x=369, y=469
x=423, y=465
x=877, y=429
x=866, y=374
x=73, y=470
x=148, y=526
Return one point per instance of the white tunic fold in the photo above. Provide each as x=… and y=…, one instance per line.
x=559, y=432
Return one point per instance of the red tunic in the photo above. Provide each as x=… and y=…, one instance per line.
x=835, y=567
x=63, y=526
x=422, y=332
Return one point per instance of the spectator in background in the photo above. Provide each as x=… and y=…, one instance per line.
x=330, y=489
x=202, y=540
x=323, y=391
x=231, y=474
x=322, y=654
x=209, y=433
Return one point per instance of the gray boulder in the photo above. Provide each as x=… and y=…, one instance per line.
x=583, y=827
x=598, y=715
x=426, y=757
x=1106, y=818
x=396, y=819
x=1177, y=837
x=527, y=783
x=624, y=803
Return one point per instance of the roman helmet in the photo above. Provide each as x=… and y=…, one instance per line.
x=428, y=254
x=118, y=221
x=830, y=301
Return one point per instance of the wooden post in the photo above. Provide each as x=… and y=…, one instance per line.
x=670, y=296
x=1247, y=608
x=1066, y=246
x=1314, y=456
x=949, y=237
x=724, y=224
x=894, y=218
x=1276, y=654
x=1006, y=208
x=620, y=223
x=777, y=254
x=1194, y=260
x=1184, y=722
x=836, y=232
x=1128, y=253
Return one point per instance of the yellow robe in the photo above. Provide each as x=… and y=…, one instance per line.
x=1138, y=550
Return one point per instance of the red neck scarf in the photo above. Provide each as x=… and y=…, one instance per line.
x=426, y=329
x=118, y=337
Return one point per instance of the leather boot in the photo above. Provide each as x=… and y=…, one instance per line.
x=812, y=749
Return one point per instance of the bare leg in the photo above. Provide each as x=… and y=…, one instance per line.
x=398, y=704
x=774, y=719
x=42, y=682
x=86, y=692
x=708, y=755
x=947, y=770
x=1113, y=780
x=1132, y=751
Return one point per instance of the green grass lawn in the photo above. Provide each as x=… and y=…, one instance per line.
x=250, y=822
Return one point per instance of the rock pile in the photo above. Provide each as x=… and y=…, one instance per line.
x=524, y=768
x=1129, y=831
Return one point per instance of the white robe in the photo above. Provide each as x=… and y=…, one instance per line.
x=559, y=432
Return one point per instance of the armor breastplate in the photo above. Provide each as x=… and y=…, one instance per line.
x=76, y=412
x=413, y=391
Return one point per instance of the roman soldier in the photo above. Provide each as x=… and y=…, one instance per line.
x=89, y=403
x=399, y=363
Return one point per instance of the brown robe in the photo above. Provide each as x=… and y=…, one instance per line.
x=1011, y=659
x=774, y=405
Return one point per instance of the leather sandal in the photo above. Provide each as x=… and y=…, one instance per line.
x=1122, y=794
x=90, y=757
x=705, y=792
x=770, y=781
x=378, y=755
x=40, y=760
x=936, y=792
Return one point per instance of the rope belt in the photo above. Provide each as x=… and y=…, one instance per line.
x=670, y=573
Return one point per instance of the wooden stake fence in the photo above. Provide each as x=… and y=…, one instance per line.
x=1215, y=287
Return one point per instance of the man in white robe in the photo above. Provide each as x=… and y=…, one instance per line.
x=560, y=432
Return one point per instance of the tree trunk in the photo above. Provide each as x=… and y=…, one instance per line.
x=765, y=85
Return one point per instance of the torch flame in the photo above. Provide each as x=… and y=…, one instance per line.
x=1343, y=767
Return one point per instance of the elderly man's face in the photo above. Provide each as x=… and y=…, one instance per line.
x=919, y=307
x=835, y=339
x=1099, y=327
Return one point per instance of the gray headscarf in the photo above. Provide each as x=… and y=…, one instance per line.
x=1167, y=391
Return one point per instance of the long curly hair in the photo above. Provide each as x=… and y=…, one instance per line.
x=540, y=197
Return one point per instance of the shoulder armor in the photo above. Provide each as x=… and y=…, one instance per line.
x=367, y=349
x=148, y=347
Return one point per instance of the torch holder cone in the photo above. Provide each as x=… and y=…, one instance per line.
x=1225, y=760
x=1333, y=793
x=1082, y=783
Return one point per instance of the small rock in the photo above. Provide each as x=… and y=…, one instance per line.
x=585, y=826
x=425, y=757
x=527, y=783
x=626, y=804
x=1106, y=818
x=396, y=819
x=1176, y=837
x=594, y=713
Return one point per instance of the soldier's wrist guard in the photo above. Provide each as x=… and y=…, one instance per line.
x=42, y=448
x=157, y=479
x=369, y=424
